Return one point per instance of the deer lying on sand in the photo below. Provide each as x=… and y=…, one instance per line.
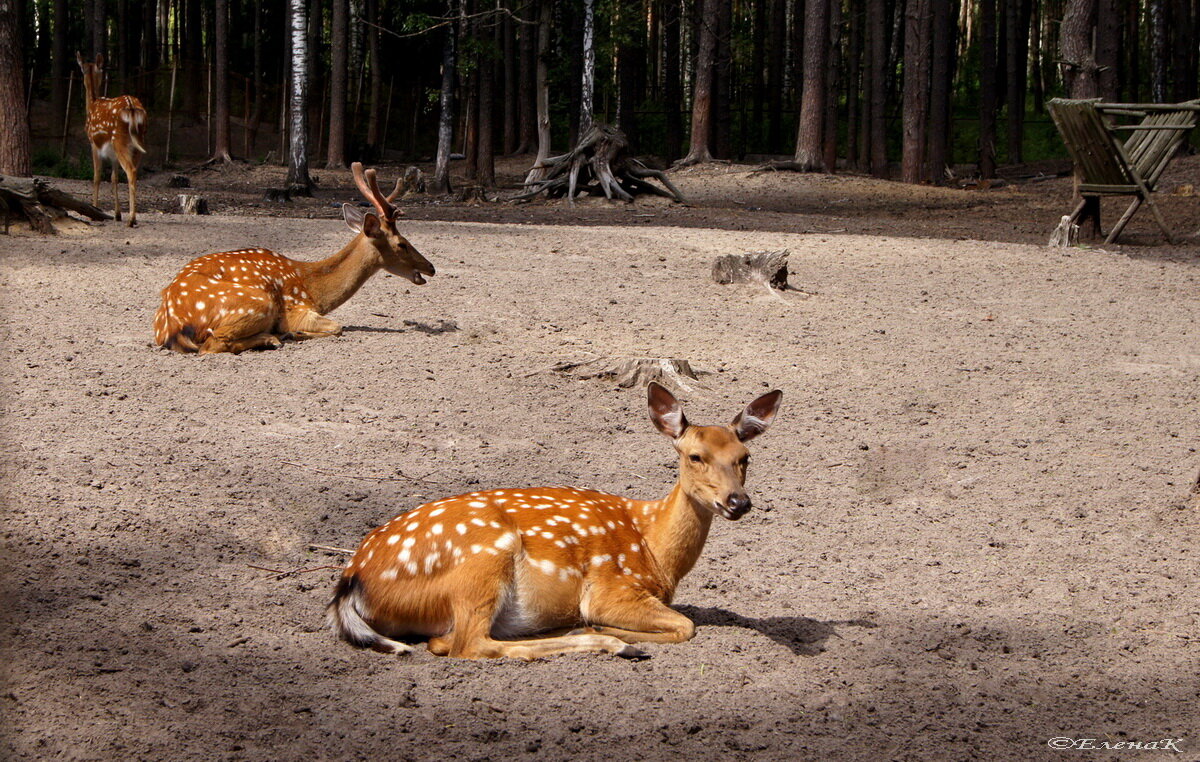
x=239, y=300
x=481, y=575
x=116, y=130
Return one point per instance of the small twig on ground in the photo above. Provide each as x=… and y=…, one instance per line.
x=403, y=476
x=280, y=573
x=331, y=549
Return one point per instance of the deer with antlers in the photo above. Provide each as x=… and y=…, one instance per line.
x=253, y=298
x=116, y=130
x=481, y=575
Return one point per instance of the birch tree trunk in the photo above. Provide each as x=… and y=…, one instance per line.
x=589, y=66
x=298, y=181
x=441, y=167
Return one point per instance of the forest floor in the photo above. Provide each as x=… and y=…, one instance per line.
x=975, y=525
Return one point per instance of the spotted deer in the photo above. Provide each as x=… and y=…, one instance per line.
x=116, y=130
x=480, y=575
x=239, y=300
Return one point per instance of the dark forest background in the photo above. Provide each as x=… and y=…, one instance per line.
x=906, y=88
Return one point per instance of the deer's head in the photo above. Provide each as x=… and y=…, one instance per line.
x=713, y=459
x=399, y=257
x=92, y=70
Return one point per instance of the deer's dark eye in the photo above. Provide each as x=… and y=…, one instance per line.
x=745, y=461
x=695, y=458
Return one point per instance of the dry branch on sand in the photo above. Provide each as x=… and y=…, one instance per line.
x=598, y=164
x=37, y=202
x=631, y=371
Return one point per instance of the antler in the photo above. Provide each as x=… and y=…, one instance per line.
x=369, y=187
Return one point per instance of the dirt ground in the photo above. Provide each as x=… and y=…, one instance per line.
x=974, y=529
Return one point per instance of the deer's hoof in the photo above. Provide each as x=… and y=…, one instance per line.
x=633, y=653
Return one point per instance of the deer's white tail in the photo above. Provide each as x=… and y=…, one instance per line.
x=345, y=615
x=135, y=119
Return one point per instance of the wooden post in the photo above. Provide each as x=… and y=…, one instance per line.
x=171, y=111
x=67, y=114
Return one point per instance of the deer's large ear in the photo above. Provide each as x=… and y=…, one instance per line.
x=99, y=60
x=757, y=416
x=79, y=58
x=665, y=411
x=353, y=217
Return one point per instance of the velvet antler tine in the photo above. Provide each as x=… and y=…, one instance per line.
x=395, y=194
x=369, y=187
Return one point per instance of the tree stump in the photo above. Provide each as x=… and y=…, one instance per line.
x=1066, y=234
x=598, y=164
x=413, y=182
x=277, y=195
x=37, y=202
x=188, y=203
x=760, y=267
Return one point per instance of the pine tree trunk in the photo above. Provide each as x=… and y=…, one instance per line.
x=776, y=50
x=917, y=30
x=191, y=32
x=987, y=89
x=810, y=137
x=510, y=99
x=1108, y=48
x=722, y=99
x=877, y=92
x=339, y=42
x=1080, y=74
x=221, y=82
x=758, y=59
x=545, y=18
x=527, y=86
x=1017, y=61
x=298, y=180
x=672, y=79
x=703, y=88
x=485, y=163
x=854, y=83
x=441, y=169
x=833, y=85
x=59, y=76
x=15, y=153
x=375, y=109
x=940, y=79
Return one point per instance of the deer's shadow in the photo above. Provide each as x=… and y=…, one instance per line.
x=803, y=635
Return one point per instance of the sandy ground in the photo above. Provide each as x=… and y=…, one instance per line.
x=973, y=531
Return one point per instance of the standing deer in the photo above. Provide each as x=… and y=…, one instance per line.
x=479, y=575
x=116, y=130
x=238, y=300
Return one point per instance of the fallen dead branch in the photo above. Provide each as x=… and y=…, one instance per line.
x=630, y=371
x=402, y=478
x=37, y=202
x=283, y=573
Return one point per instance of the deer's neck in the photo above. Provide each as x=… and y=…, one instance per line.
x=332, y=281
x=675, y=529
x=89, y=88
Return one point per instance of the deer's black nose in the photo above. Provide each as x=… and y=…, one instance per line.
x=738, y=505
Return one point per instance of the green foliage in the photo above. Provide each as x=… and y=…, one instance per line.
x=51, y=163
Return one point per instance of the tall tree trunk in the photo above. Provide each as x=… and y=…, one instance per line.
x=835, y=67
x=298, y=179
x=375, y=110
x=1108, y=48
x=545, y=18
x=1017, y=61
x=58, y=65
x=192, y=33
x=917, y=30
x=336, y=157
x=810, y=137
x=511, y=101
x=1158, y=50
x=776, y=50
x=758, y=60
x=527, y=86
x=441, y=169
x=853, y=58
x=148, y=53
x=221, y=82
x=702, y=92
x=796, y=50
x=99, y=29
x=1080, y=72
x=15, y=153
x=672, y=79
x=988, y=96
x=588, y=83
x=722, y=100
x=486, y=67
x=941, y=76
x=877, y=92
